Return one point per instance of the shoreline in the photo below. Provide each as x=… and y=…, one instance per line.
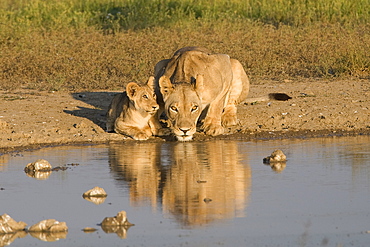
x=260, y=136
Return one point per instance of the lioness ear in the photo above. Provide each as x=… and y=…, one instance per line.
x=165, y=85
x=131, y=89
x=199, y=83
x=151, y=82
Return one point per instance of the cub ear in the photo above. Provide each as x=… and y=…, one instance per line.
x=131, y=89
x=151, y=82
x=165, y=85
x=198, y=83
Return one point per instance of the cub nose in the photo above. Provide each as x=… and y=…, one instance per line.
x=155, y=107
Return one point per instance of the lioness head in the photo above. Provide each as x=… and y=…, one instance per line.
x=182, y=105
x=143, y=96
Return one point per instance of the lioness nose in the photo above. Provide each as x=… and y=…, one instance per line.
x=184, y=130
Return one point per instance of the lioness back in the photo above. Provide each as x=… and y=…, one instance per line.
x=133, y=112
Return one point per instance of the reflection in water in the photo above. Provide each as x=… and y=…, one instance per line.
x=138, y=164
x=121, y=231
x=117, y=224
x=3, y=162
x=7, y=239
x=189, y=182
x=277, y=167
x=49, y=236
x=196, y=182
x=95, y=200
x=38, y=175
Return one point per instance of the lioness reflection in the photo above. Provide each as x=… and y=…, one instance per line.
x=196, y=182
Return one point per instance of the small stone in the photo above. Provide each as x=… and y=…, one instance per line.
x=201, y=181
x=38, y=165
x=9, y=225
x=276, y=156
x=3, y=124
x=49, y=225
x=117, y=224
x=95, y=192
x=89, y=229
x=119, y=220
x=207, y=200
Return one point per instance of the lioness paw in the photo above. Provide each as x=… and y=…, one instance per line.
x=162, y=132
x=141, y=136
x=213, y=130
x=228, y=117
x=229, y=120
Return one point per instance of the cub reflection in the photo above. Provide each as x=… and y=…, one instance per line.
x=138, y=164
x=197, y=183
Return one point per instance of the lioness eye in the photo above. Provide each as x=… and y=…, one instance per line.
x=194, y=108
x=173, y=108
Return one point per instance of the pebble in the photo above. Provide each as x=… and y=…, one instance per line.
x=38, y=165
x=276, y=156
x=49, y=225
x=95, y=192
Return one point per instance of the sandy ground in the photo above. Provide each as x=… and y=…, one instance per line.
x=32, y=118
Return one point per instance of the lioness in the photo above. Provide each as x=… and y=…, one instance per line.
x=133, y=112
x=196, y=81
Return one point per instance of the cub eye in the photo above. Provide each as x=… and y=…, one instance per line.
x=145, y=96
x=194, y=108
x=173, y=108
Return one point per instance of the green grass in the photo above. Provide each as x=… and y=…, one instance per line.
x=134, y=14
x=101, y=44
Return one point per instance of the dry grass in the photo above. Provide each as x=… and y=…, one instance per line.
x=50, y=54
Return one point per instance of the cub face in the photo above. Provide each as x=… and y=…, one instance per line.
x=143, y=96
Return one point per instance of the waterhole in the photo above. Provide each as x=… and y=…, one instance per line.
x=214, y=193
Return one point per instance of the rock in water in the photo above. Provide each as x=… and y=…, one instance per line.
x=49, y=225
x=38, y=165
x=117, y=224
x=276, y=156
x=277, y=160
x=95, y=192
x=8, y=225
x=119, y=220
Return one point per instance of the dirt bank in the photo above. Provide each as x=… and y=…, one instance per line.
x=318, y=108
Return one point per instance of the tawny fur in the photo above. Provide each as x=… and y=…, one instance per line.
x=134, y=112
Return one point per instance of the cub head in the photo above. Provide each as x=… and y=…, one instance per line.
x=143, y=96
x=182, y=105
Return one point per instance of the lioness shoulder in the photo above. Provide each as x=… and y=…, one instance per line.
x=134, y=112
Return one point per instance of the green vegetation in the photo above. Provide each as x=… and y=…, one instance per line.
x=101, y=44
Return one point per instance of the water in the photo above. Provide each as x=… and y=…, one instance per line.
x=216, y=193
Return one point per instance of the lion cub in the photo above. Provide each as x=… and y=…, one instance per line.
x=134, y=112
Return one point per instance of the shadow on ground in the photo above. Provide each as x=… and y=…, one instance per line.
x=99, y=102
